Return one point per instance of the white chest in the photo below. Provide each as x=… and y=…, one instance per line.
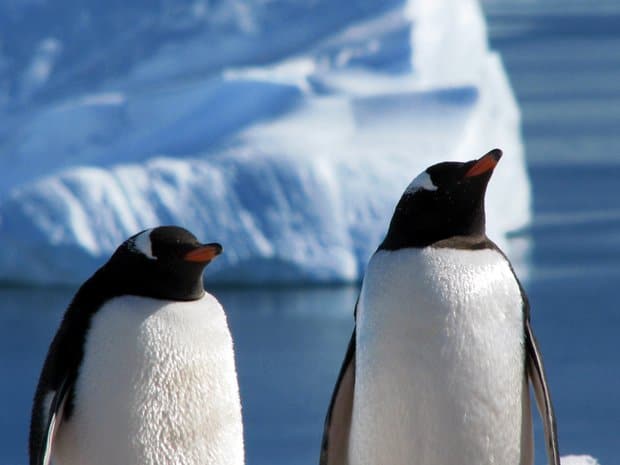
x=157, y=385
x=439, y=360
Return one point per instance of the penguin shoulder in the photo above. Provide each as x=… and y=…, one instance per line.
x=438, y=274
x=434, y=260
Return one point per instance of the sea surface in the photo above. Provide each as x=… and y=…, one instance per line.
x=563, y=60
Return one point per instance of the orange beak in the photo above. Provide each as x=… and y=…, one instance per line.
x=204, y=253
x=485, y=164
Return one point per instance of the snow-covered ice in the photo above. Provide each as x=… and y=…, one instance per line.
x=285, y=131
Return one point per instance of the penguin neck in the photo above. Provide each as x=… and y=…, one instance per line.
x=155, y=283
x=412, y=228
x=403, y=238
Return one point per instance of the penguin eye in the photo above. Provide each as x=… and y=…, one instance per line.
x=422, y=182
x=142, y=244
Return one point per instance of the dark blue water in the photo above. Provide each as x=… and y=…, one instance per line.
x=565, y=68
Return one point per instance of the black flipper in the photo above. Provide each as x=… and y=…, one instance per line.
x=536, y=374
x=52, y=423
x=53, y=400
x=335, y=445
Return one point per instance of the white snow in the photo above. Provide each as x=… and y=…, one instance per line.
x=288, y=141
x=578, y=460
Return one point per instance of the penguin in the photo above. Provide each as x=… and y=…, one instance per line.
x=141, y=370
x=438, y=368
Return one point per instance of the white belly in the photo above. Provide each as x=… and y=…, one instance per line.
x=439, y=360
x=157, y=386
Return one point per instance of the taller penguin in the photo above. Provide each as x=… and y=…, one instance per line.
x=438, y=367
x=142, y=369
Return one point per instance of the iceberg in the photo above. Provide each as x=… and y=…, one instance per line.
x=287, y=131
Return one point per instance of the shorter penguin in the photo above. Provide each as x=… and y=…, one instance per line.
x=442, y=354
x=142, y=368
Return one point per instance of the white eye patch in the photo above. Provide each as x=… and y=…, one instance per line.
x=142, y=243
x=422, y=181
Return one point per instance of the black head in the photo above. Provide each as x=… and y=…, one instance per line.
x=444, y=201
x=165, y=263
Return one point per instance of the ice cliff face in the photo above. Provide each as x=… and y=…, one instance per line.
x=285, y=130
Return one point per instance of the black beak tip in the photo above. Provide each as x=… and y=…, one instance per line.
x=496, y=154
x=217, y=248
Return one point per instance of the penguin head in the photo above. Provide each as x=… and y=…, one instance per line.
x=446, y=200
x=166, y=262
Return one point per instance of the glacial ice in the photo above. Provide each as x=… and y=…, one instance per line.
x=285, y=132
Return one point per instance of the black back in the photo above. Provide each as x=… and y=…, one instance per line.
x=453, y=207
x=165, y=273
